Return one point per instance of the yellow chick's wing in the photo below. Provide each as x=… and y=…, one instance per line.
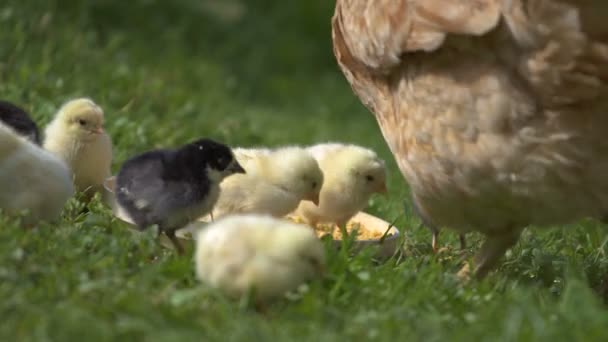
x=248, y=193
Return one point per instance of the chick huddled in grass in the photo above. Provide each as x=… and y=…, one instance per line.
x=268, y=256
x=31, y=178
x=351, y=175
x=77, y=136
x=275, y=183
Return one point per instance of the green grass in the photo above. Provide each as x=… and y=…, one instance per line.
x=246, y=73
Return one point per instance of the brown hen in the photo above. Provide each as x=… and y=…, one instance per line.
x=495, y=110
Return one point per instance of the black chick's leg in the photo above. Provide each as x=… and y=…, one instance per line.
x=261, y=307
x=178, y=246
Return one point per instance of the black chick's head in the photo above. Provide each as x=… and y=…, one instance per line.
x=19, y=120
x=213, y=156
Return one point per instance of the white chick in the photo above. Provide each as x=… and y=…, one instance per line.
x=77, y=136
x=31, y=178
x=270, y=256
x=352, y=174
x=275, y=183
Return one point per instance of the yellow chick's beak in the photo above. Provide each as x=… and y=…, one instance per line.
x=313, y=197
x=382, y=189
x=98, y=130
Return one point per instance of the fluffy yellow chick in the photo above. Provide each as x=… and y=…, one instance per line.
x=352, y=174
x=270, y=256
x=275, y=183
x=31, y=178
x=77, y=136
x=250, y=157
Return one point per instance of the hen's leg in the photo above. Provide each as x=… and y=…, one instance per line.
x=463, y=241
x=427, y=222
x=490, y=253
x=435, y=240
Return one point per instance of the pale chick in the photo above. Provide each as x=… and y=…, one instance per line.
x=77, y=136
x=31, y=179
x=257, y=254
x=275, y=183
x=352, y=174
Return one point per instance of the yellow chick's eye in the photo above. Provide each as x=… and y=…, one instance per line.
x=369, y=178
x=82, y=122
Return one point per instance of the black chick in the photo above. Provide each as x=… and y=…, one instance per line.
x=19, y=120
x=171, y=188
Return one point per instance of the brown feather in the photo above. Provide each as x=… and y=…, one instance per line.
x=494, y=110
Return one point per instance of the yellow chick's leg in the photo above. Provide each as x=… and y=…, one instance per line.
x=211, y=215
x=178, y=246
x=493, y=248
x=342, y=226
x=261, y=306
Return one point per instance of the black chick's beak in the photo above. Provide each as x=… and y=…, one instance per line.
x=235, y=167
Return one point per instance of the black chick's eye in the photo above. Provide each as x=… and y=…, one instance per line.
x=369, y=178
x=82, y=122
x=314, y=185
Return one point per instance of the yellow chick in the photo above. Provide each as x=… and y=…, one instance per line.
x=77, y=136
x=249, y=157
x=31, y=178
x=275, y=183
x=352, y=174
x=270, y=256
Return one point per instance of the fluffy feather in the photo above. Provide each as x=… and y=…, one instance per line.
x=31, y=178
x=352, y=174
x=495, y=110
x=271, y=256
x=275, y=183
x=76, y=135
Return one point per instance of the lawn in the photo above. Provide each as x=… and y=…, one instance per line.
x=247, y=73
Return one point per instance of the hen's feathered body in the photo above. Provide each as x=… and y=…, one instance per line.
x=495, y=110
